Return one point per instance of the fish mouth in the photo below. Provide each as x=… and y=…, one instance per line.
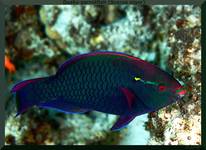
x=181, y=91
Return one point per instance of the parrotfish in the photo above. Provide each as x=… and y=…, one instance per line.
x=109, y=82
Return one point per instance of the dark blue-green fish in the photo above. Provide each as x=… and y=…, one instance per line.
x=109, y=82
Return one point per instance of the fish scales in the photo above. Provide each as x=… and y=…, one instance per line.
x=102, y=77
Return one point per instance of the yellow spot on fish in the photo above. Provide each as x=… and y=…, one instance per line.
x=137, y=79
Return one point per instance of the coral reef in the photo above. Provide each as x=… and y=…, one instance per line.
x=40, y=38
x=181, y=122
x=50, y=127
x=87, y=29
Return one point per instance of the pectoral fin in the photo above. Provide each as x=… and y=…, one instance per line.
x=122, y=122
x=129, y=95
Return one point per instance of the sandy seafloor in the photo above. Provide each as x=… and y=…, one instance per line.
x=40, y=38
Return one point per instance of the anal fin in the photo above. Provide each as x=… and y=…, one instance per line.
x=122, y=122
x=63, y=106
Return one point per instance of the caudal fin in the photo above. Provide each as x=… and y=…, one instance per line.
x=22, y=102
x=25, y=97
x=22, y=84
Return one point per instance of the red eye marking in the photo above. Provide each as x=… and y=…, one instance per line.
x=162, y=88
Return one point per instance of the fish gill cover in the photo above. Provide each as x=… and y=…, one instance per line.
x=45, y=37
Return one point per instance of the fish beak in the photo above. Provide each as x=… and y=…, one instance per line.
x=181, y=92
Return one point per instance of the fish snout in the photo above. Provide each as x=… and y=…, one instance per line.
x=181, y=91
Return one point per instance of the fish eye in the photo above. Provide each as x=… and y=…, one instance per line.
x=161, y=88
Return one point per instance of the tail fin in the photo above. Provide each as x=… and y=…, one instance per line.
x=22, y=101
x=25, y=98
x=22, y=84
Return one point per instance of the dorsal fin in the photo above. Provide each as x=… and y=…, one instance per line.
x=83, y=56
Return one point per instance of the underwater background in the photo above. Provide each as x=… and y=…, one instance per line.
x=40, y=38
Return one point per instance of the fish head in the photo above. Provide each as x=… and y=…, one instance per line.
x=158, y=93
x=169, y=93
